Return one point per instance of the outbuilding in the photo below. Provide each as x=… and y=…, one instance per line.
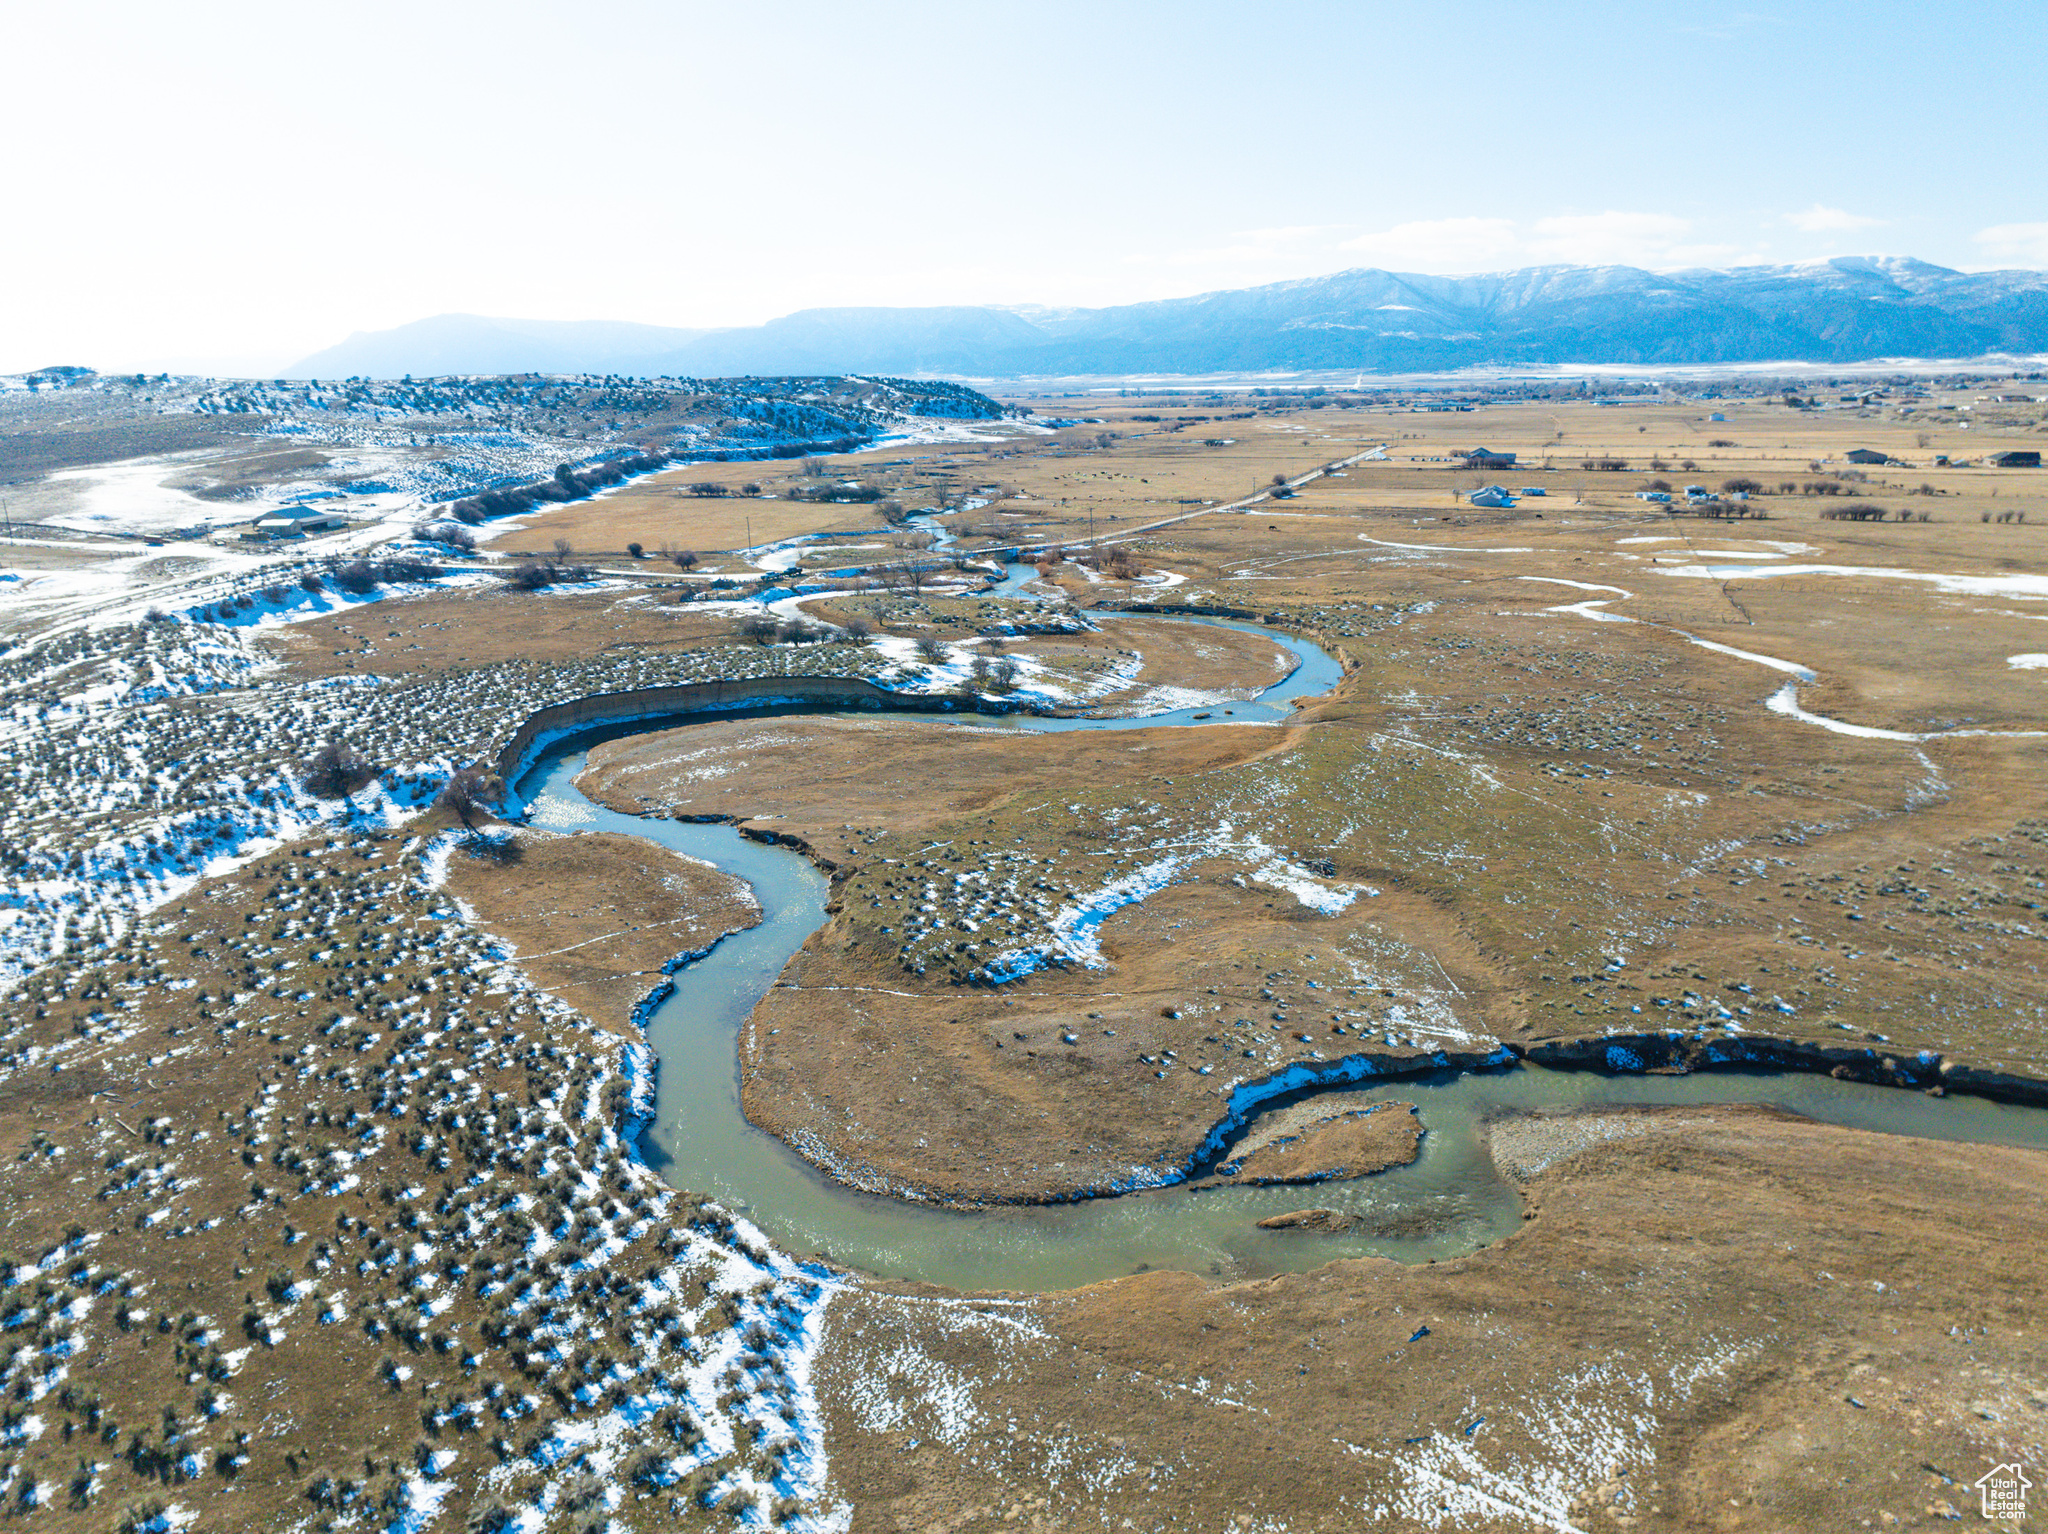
x=1866, y=455
x=296, y=521
x=2017, y=458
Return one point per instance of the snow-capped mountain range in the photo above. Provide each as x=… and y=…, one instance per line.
x=1849, y=309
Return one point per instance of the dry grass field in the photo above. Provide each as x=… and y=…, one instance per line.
x=598, y=920
x=657, y=513
x=322, y=1203
x=1696, y=1328
x=1580, y=813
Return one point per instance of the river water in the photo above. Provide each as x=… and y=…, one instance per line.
x=1448, y=1202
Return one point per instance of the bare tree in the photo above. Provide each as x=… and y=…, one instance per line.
x=471, y=792
x=336, y=771
x=562, y=549
x=813, y=468
x=358, y=577
x=683, y=559
x=904, y=575
x=453, y=534
x=930, y=650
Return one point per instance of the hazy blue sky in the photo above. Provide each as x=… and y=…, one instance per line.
x=237, y=185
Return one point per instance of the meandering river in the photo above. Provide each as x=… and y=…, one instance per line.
x=1449, y=1201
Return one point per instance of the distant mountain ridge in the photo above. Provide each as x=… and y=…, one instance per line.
x=1849, y=309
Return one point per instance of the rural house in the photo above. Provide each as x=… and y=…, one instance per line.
x=1486, y=458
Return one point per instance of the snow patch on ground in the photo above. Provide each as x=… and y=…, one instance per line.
x=1071, y=936
x=1438, y=548
x=1948, y=585
x=1528, y=1459
x=1317, y=894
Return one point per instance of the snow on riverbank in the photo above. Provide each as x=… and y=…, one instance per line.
x=148, y=757
x=738, y=1363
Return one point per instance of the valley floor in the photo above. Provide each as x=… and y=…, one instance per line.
x=326, y=1204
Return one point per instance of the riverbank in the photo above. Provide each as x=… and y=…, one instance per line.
x=1722, y=1318
x=600, y=920
x=1028, y=1231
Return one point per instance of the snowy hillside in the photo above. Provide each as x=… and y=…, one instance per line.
x=1843, y=310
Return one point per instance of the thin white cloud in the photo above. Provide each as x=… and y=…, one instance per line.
x=1822, y=219
x=1441, y=244
x=1655, y=240
x=1288, y=233
x=1254, y=245
x=1660, y=241
x=2015, y=244
x=1728, y=27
